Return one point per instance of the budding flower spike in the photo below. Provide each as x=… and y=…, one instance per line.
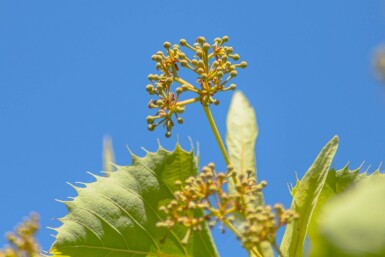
x=211, y=63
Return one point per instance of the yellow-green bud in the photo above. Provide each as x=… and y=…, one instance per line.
x=206, y=46
x=150, y=127
x=200, y=71
x=150, y=119
x=158, y=66
x=150, y=77
x=235, y=57
x=225, y=39
x=149, y=88
x=194, y=62
x=201, y=40
x=183, y=63
x=180, y=120
x=182, y=55
x=243, y=64
x=166, y=45
x=168, y=134
x=204, y=76
x=229, y=50
x=183, y=42
x=224, y=58
x=217, y=40
x=169, y=81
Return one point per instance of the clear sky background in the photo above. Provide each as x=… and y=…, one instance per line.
x=73, y=71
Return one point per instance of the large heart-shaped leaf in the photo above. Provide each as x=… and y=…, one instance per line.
x=305, y=200
x=116, y=216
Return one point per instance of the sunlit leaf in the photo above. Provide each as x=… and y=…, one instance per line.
x=305, y=200
x=353, y=224
x=116, y=216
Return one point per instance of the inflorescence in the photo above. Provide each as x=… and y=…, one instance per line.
x=204, y=199
x=213, y=67
x=22, y=242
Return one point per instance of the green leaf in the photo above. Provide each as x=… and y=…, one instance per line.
x=337, y=182
x=242, y=132
x=305, y=200
x=353, y=223
x=116, y=216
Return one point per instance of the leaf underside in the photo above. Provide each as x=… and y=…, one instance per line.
x=116, y=216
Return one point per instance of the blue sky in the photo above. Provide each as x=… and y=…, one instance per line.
x=73, y=71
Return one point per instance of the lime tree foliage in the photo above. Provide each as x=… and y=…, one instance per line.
x=164, y=204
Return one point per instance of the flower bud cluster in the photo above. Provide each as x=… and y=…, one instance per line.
x=212, y=64
x=204, y=199
x=22, y=241
x=262, y=224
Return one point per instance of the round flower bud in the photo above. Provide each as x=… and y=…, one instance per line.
x=215, y=63
x=150, y=76
x=200, y=71
x=201, y=63
x=182, y=55
x=217, y=40
x=233, y=73
x=153, y=57
x=225, y=39
x=224, y=58
x=194, y=62
x=180, y=120
x=243, y=64
x=199, y=53
x=158, y=66
x=150, y=119
x=220, y=73
x=175, y=47
x=149, y=88
x=159, y=53
x=206, y=46
x=183, y=42
x=166, y=45
x=201, y=40
x=183, y=63
x=179, y=90
x=158, y=58
x=168, y=134
x=159, y=86
x=204, y=76
x=169, y=81
x=150, y=127
x=229, y=50
x=216, y=102
x=235, y=57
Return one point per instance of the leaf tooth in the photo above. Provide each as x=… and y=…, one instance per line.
x=54, y=229
x=77, y=189
x=97, y=177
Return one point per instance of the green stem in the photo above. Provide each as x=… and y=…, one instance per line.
x=188, y=101
x=276, y=248
x=216, y=134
